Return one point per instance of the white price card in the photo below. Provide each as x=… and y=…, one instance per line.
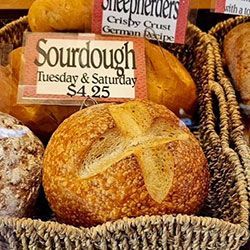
x=233, y=7
x=68, y=68
x=162, y=20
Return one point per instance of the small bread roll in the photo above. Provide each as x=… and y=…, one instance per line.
x=20, y=167
x=60, y=15
x=237, y=55
x=112, y=161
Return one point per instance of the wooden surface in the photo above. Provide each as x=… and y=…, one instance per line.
x=24, y=4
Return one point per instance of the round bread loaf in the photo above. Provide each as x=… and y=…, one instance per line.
x=112, y=161
x=20, y=167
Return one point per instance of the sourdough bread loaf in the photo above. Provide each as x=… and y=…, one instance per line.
x=112, y=161
x=168, y=82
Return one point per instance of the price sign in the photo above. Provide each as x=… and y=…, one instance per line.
x=67, y=68
x=233, y=7
x=162, y=20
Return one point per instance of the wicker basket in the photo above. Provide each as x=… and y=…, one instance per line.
x=222, y=76
x=223, y=223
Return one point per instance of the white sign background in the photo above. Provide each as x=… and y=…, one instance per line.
x=238, y=7
x=61, y=88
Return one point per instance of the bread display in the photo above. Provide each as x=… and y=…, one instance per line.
x=42, y=120
x=169, y=83
x=152, y=156
x=111, y=161
x=237, y=55
x=20, y=167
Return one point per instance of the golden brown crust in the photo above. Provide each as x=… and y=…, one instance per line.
x=60, y=15
x=237, y=55
x=42, y=120
x=8, y=93
x=120, y=190
x=169, y=83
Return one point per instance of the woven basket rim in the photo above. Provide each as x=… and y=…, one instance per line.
x=223, y=24
x=217, y=40
x=13, y=23
x=112, y=226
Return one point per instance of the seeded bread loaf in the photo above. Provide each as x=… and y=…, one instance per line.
x=20, y=167
x=113, y=161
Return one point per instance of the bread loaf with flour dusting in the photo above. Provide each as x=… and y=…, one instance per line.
x=113, y=161
x=21, y=155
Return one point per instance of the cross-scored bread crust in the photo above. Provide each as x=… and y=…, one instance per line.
x=129, y=185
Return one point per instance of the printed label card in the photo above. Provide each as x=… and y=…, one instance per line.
x=233, y=7
x=65, y=69
x=162, y=20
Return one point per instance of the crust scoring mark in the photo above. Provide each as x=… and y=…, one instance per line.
x=137, y=134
